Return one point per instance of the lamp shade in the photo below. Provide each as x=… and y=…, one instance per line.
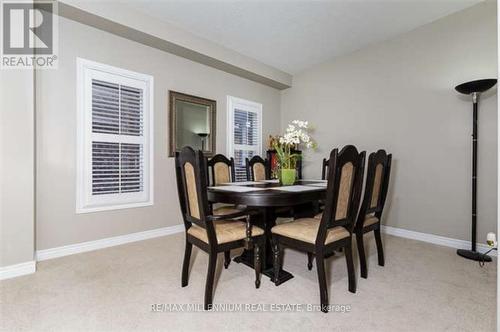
x=476, y=86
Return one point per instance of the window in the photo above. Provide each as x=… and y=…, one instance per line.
x=244, y=132
x=115, y=142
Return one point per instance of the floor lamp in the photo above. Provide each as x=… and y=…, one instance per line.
x=474, y=88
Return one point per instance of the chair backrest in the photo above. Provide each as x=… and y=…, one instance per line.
x=221, y=170
x=377, y=184
x=190, y=170
x=257, y=169
x=324, y=168
x=343, y=193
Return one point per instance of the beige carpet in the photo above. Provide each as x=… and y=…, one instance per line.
x=423, y=287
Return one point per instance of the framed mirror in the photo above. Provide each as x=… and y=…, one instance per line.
x=191, y=122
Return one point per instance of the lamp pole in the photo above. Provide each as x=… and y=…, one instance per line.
x=474, y=88
x=475, y=97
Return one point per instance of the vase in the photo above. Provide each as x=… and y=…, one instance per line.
x=287, y=176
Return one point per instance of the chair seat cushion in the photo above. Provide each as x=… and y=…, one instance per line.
x=306, y=230
x=370, y=220
x=319, y=216
x=225, y=210
x=225, y=231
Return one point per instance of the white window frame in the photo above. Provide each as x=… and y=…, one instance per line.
x=85, y=201
x=245, y=105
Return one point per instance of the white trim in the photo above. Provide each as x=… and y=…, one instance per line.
x=114, y=207
x=115, y=70
x=434, y=239
x=84, y=203
x=42, y=255
x=17, y=270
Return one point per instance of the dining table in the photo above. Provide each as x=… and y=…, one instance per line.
x=268, y=197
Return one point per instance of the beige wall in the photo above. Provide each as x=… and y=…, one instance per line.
x=57, y=223
x=399, y=95
x=17, y=220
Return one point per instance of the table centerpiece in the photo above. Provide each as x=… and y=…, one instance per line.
x=297, y=134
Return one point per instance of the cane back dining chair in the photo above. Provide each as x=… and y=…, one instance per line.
x=212, y=234
x=257, y=169
x=370, y=212
x=334, y=230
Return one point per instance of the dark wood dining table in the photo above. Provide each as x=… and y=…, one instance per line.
x=268, y=202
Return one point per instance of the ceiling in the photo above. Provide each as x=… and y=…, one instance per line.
x=295, y=35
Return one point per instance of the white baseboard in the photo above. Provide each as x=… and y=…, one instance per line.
x=435, y=239
x=71, y=249
x=17, y=270
x=77, y=248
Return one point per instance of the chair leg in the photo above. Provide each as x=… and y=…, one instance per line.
x=380, y=249
x=185, y=264
x=350, y=268
x=323, y=292
x=212, y=262
x=310, y=258
x=257, y=264
x=277, y=264
x=361, y=254
x=227, y=259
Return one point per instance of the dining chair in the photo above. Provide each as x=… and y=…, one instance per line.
x=321, y=203
x=221, y=170
x=257, y=169
x=334, y=230
x=370, y=212
x=212, y=234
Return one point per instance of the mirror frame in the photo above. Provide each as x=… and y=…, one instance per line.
x=175, y=96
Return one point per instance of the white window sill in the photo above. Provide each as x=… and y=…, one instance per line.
x=90, y=209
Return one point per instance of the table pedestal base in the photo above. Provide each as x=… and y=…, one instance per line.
x=284, y=275
x=267, y=220
x=247, y=259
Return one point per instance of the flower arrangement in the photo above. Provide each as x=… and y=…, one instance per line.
x=296, y=134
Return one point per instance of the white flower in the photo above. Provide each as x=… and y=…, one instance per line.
x=297, y=133
x=300, y=123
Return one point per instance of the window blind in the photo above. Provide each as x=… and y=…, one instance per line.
x=117, y=112
x=246, y=139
